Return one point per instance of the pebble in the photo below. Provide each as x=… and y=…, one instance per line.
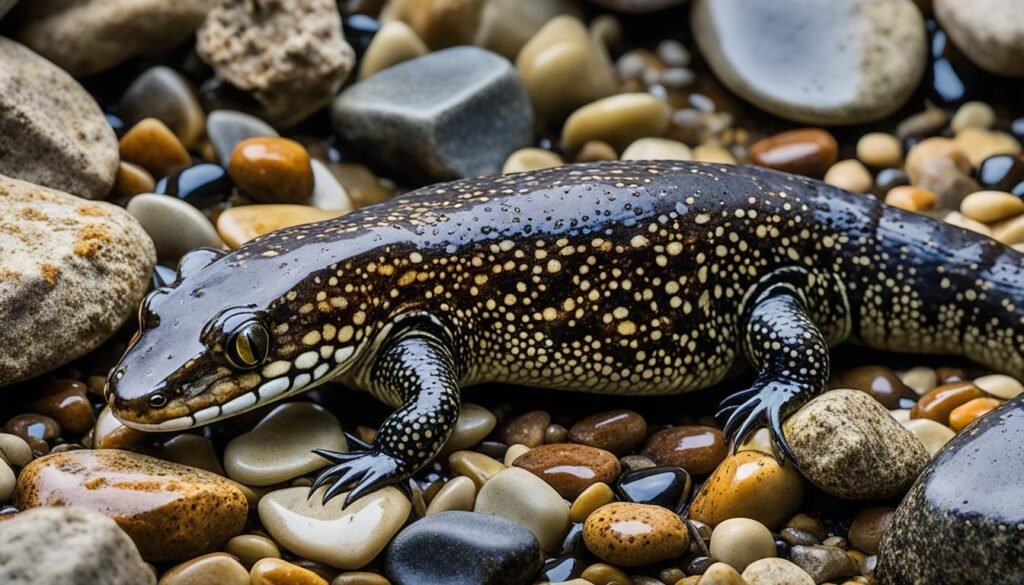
x=668, y=487
x=880, y=150
x=941, y=400
x=279, y=572
x=491, y=551
x=932, y=435
x=741, y=541
x=911, y=198
x=749, y=484
x=570, y=468
x=618, y=120
x=90, y=261
x=555, y=434
x=716, y=574
x=657, y=149
x=360, y=578
x=959, y=220
x=1002, y=172
x=591, y=499
x=219, y=568
x=616, y=431
x=531, y=159
x=972, y=115
x=633, y=535
x=520, y=496
x=1000, y=386
x=960, y=523
x=697, y=449
x=458, y=494
x=250, y=548
x=775, y=572
x=604, y=574
x=844, y=62
x=849, y=174
x=513, y=452
x=151, y=145
x=227, y=128
x=808, y=151
x=823, y=563
x=991, y=206
x=171, y=511
x=564, y=67
x=1010, y=231
x=201, y=185
x=14, y=450
x=54, y=132
x=920, y=379
x=595, y=151
x=880, y=382
x=473, y=425
x=109, y=433
x=868, y=527
x=238, y=225
x=174, y=226
x=463, y=92
x=969, y=412
x=68, y=545
x=989, y=32
x=36, y=430
x=394, y=43
x=255, y=47
x=7, y=481
x=710, y=153
x=940, y=166
x=272, y=170
x=345, y=539
x=65, y=402
x=526, y=429
x=476, y=466
x=130, y=181
x=927, y=122
x=979, y=144
x=843, y=437
x=192, y=450
x=91, y=37
x=162, y=93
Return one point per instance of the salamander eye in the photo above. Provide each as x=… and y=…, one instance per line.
x=249, y=346
x=157, y=400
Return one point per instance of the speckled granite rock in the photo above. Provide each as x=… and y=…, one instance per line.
x=72, y=272
x=837, y=62
x=51, y=131
x=962, y=521
x=989, y=32
x=85, y=37
x=70, y=546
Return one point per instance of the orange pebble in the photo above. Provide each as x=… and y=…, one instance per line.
x=272, y=170
x=911, y=198
x=939, y=402
x=971, y=411
x=151, y=145
x=278, y=572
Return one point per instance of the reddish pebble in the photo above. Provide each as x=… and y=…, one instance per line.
x=808, y=151
x=570, y=468
x=618, y=431
x=971, y=411
x=697, y=449
x=939, y=402
x=272, y=170
x=65, y=402
x=526, y=429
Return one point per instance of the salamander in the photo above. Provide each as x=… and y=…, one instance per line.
x=627, y=278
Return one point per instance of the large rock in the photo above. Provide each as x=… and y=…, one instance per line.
x=72, y=272
x=836, y=62
x=989, y=32
x=961, y=522
x=467, y=114
x=51, y=131
x=290, y=54
x=85, y=37
x=70, y=546
x=848, y=445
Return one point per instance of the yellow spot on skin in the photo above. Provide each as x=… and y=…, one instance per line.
x=550, y=314
x=554, y=265
x=345, y=333
x=311, y=338
x=276, y=369
x=330, y=331
x=626, y=328
x=415, y=257
x=639, y=241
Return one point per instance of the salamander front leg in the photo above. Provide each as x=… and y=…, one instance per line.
x=418, y=370
x=791, y=358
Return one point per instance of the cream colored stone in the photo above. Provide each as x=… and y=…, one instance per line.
x=521, y=497
x=513, y=453
x=849, y=174
x=1000, y=386
x=531, y=159
x=14, y=450
x=979, y=144
x=1010, y=231
x=960, y=220
x=921, y=379
x=741, y=541
x=880, y=150
x=618, y=120
x=713, y=154
x=476, y=466
x=394, y=43
x=932, y=435
x=458, y=494
x=973, y=115
x=991, y=206
x=776, y=572
x=657, y=149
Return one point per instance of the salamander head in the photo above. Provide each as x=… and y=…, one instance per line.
x=221, y=340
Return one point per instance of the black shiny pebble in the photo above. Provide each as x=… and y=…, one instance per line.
x=463, y=548
x=561, y=569
x=359, y=31
x=699, y=565
x=951, y=79
x=162, y=276
x=886, y=179
x=493, y=449
x=668, y=487
x=201, y=185
x=1002, y=172
x=782, y=548
x=573, y=544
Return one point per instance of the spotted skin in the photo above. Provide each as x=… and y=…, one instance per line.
x=630, y=278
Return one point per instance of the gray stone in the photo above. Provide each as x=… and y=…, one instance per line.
x=989, y=32
x=175, y=226
x=454, y=113
x=162, y=93
x=226, y=128
x=823, y=563
x=51, y=131
x=70, y=546
x=85, y=37
x=961, y=522
x=835, y=62
x=71, y=272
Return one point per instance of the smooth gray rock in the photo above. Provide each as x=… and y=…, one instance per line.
x=162, y=93
x=962, y=521
x=175, y=226
x=451, y=114
x=989, y=32
x=69, y=546
x=832, y=62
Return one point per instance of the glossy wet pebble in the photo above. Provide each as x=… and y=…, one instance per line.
x=632, y=535
x=479, y=468
x=526, y=429
x=697, y=449
x=278, y=448
x=171, y=511
x=775, y=572
x=250, y=548
x=240, y=224
x=617, y=431
x=66, y=403
x=131, y=179
x=939, y=402
x=458, y=494
x=668, y=487
x=741, y=541
x=151, y=145
x=749, y=484
x=1000, y=386
x=474, y=423
x=521, y=497
x=618, y=120
x=394, y=43
x=226, y=128
x=162, y=93
x=880, y=382
x=272, y=170
x=174, y=226
x=346, y=539
x=201, y=185
x=490, y=551
x=220, y=568
x=279, y=572
x=591, y=499
x=570, y=468
x=808, y=151
x=844, y=436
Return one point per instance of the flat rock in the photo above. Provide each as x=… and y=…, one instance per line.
x=344, y=538
x=52, y=132
x=84, y=37
x=840, y=62
x=73, y=272
x=70, y=546
x=989, y=32
x=848, y=445
x=468, y=114
x=171, y=511
x=961, y=522
x=491, y=551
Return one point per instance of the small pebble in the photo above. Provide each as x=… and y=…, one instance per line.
x=932, y=435
x=605, y=574
x=1000, y=386
x=459, y=494
x=808, y=151
x=131, y=180
x=65, y=402
x=880, y=382
x=162, y=93
x=940, y=401
x=526, y=429
x=226, y=128
x=272, y=170
x=978, y=144
x=911, y=198
x=279, y=572
x=972, y=115
x=958, y=219
x=971, y=411
x=880, y=150
x=251, y=548
x=868, y=527
x=657, y=149
x=109, y=433
x=219, y=568
x=174, y=226
x=531, y=159
x=394, y=43
x=849, y=174
x=476, y=466
x=555, y=433
x=923, y=124
x=741, y=541
x=151, y=145
x=592, y=498
x=513, y=453
x=520, y=496
x=474, y=423
x=618, y=120
x=192, y=450
x=697, y=449
x=633, y=535
x=716, y=574
x=238, y=225
x=823, y=563
x=710, y=153
x=668, y=487
x=775, y=572
x=201, y=185
x=752, y=485
x=596, y=151
x=617, y=431
x=920, y=379
x=14, y=450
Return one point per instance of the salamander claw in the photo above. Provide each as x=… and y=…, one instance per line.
x=361, y=472
x=764, y=408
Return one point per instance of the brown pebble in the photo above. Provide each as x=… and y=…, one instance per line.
x=360, y=578
x=526, y=429
x=131, y=180
x=476, y=466
x=633, y=535
x=910, y=198
x=151, y=145
x=272, y=170
x=555, y=433
x=880, y=382
x=250, y=548
x=617, y=431
x=751, y=485
x=595, y=151
x=939, y=402
x=971, y=411
x=37, y=430
x=570, y=468
x=697, y=449
x=605, y=574
x=219, y=568
x=868, y=527
x=110, y=433
x=808, y=151
x=65, y=401
x=278, y=572
x=948, y=375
